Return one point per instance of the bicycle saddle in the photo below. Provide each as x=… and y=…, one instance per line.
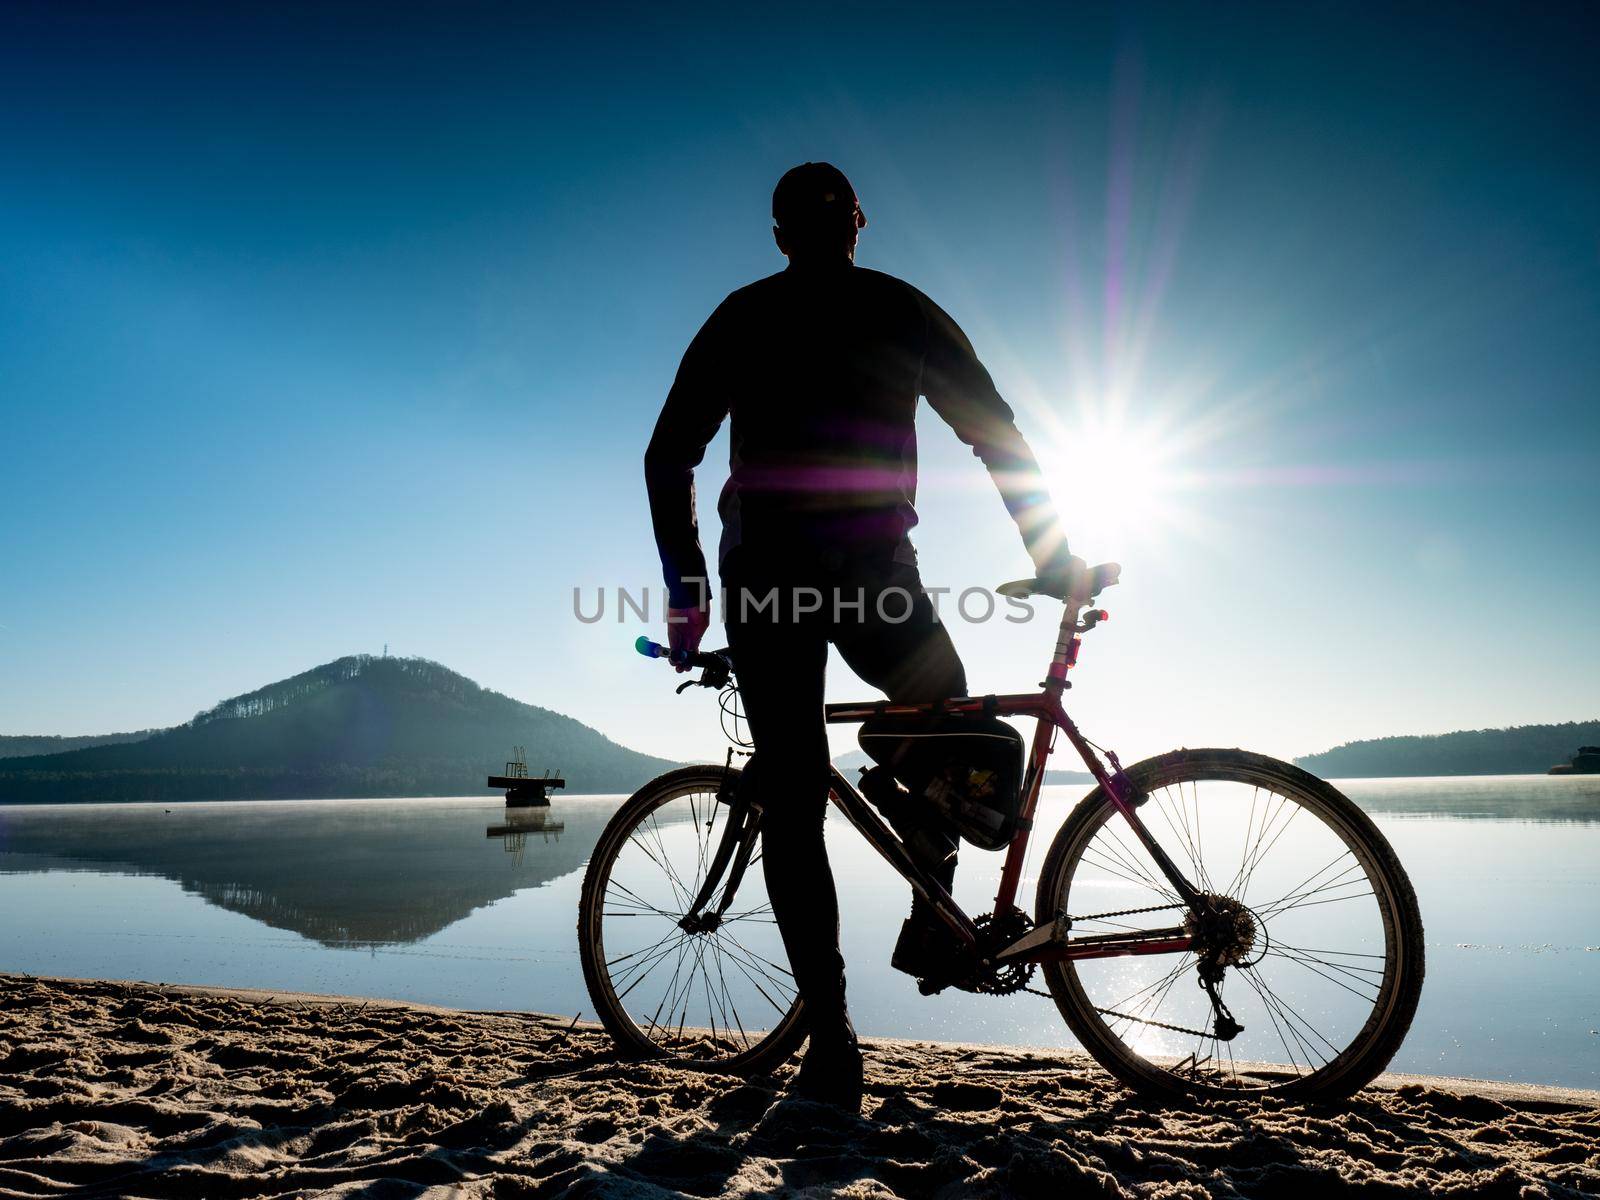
x=1079, y=581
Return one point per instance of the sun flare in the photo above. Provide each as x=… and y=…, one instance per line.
x=1117, y=485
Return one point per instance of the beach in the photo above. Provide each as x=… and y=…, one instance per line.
x=142, y=1090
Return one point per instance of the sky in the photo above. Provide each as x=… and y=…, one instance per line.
x=325, y=329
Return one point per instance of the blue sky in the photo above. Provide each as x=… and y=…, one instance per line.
x=321, y=330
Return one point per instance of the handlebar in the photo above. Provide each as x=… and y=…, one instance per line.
x=716, y=663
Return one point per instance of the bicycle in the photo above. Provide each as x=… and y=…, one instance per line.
x=1316, y=924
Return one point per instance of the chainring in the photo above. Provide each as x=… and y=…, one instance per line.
x=995, y=932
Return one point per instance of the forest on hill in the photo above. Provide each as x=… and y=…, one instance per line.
x=1519, y=750
x=24, y=746
x=358, y=726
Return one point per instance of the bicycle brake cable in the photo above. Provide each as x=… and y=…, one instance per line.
x=728, y=706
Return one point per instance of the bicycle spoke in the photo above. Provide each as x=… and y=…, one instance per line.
x=622, y=958
x=762, y=915
x=1161, y=998
x=756, y=983
x=729, y=1007
x=1114, y=848
x=1244, y=849
x=672, y=986
x=666, y=864
x=1164, y=982
x=636, y=974
x=1301, y=1005
x=1316, y=970
x=1244, y=884
x=1333, y=862
x=1293, y=1016
x=1144, y=882
x=699, y=844
x=690, y=991
x=1199, y=843
x=1340, y=953
x=759, y=963
x=687, y=992
x=1184, y=835
x=1276, y=1025
x=1295, y=899
x=666, y=871
x=643, y=904
x=1331, y=900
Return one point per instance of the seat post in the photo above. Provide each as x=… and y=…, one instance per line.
x=1066, y=652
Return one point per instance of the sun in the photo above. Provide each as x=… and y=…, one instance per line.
x=1118, y=486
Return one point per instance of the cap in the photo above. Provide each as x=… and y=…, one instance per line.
x=812, y=194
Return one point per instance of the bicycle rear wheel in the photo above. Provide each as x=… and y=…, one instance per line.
x=1311, y=935
x=664, y=987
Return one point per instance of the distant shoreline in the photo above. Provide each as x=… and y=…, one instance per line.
x=488, y=796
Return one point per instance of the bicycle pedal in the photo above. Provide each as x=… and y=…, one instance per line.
x=930, y=987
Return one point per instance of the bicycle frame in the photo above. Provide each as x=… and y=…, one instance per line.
x=995, y=953
x=1048, y=942
x=1050, y=717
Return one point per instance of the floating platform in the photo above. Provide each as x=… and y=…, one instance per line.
x=523, y=791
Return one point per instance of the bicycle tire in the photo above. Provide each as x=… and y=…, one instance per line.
x=770, y=1051
x=1370, y=1052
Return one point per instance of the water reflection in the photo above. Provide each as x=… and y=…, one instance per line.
x=410, y=899
x=380, y=872
x=519, y=823
x=343, y=873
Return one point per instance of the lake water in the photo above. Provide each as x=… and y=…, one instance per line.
x=458, y=902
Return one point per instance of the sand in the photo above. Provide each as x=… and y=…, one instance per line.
x=114, y=1089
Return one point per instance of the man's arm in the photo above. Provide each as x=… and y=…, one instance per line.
x=960, y=390
x=689, y=420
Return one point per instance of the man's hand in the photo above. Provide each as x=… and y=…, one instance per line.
x=1060, y=566
x=685, y=628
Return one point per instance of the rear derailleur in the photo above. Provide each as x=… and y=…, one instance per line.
x=1224, y=1028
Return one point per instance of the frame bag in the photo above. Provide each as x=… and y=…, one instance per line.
x=966, y=769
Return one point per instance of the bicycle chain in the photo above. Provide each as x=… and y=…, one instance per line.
x=1125, y=912
x=1106, y=1012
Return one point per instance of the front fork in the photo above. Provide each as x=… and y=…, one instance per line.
x=732, y=855
x=735, y=850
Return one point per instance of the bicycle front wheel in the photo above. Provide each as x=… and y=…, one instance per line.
x=717, y=994
x=1308, y=938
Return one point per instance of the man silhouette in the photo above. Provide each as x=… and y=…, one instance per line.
x=820, y=368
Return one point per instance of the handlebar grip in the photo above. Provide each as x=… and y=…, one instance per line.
x=656, y=650
x=699, y=658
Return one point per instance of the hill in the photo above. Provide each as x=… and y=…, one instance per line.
x=22, y=746
x=359, y=726
x=1520, y=750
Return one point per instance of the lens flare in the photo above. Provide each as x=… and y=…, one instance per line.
x=1118, y=486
